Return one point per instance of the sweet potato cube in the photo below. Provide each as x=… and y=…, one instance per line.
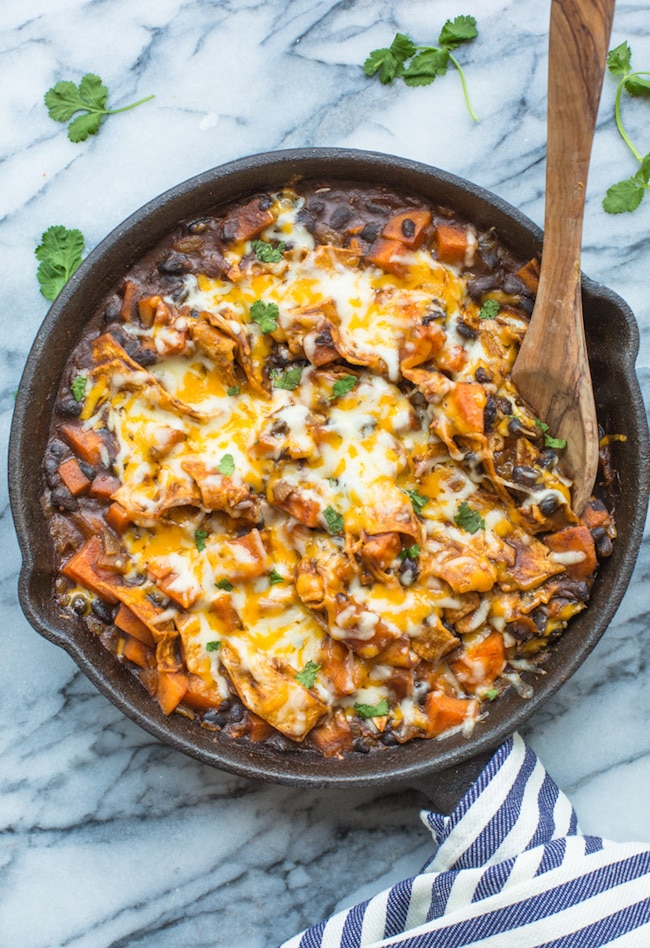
x=408, y=228
x=389, y=256
x=171, y=688
x=246, y=221
x=451, y=243
x=576, y=546
x=118, y=518
x=73, y=477
x=137, y=652
x=86, y=443
x=83, y=568
x=104, y=486
x=444, y=712
x=128, y=622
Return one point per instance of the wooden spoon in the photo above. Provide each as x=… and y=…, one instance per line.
x=552, y=370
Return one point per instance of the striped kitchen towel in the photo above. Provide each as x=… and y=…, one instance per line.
x=511, y=869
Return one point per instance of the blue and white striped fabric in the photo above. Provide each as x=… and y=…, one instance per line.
x=511, y=870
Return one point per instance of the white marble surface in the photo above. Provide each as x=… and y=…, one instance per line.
x=107, y=837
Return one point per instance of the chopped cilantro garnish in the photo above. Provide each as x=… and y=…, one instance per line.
x=491, y=694
x=78, y=388
x=344, y=385
x=307, y=677
x=334, y=520
x=372, y=710
x=418, y=500
x=410, y=553
x=213, y=646
x=550, y=442
x=265, y=315
x=468, y=519
x=289, y=380
x=226, y=465
x=489, y=310
x=275, y=577
x=224, y=584
x=233, y=390
x=200, y=536
x=266, y=253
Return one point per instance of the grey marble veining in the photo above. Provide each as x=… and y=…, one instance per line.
x=108, y=838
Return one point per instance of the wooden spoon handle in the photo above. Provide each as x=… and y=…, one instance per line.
x=578, y=42
x=552, y=369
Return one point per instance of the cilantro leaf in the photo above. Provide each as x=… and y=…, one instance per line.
x=418, y=500
x=550, y=442
x=226, y=465
x=224, y=584
x=458, y=31
x=424, y=67
x=619, y=60
x=334, y=520
x=344, y=385
x=78, y=388
x=489, y=309
x=307, y=677
x=213, y=646
x=266, y=253
x=491, y=694
x=427, y=62
x=59, y=253
x=541, y=424
x=275, y=577
x=200, y=536
x=233, y=390
x=265, y=315
x=65, y=99
x=372, y=710
x=289, y=380
x=410, y=552
x=468, y=519
x=624, y=196
x=389, y=62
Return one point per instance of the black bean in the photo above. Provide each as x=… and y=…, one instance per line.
x=179, y=293
x=113, y=310
x=370, y=233
x=58, y=448
x=360, y=745
x=516, y=428
x=598, y=533
x=434, y=313
x=79, y=605
x=144, y=356
x=478, y=287
x=340, y=217
x=408, y=227
x=549, y=504
x=514, y=286
x=87, y=468
x=489, y=413
x=389, y=739
x=236, y=713
x=216, y=718
x=63, y=499
x=523, y=474
x=103, y=610
x=306, y=219
x=225, y=705
x=604, y=546
x=503, y=404
x=482, y=376
x=465, y=331
x=315, y=206
x=69, y=407
x=174, y=265
x=547, y=457
x=408, y=572
x=265, y=202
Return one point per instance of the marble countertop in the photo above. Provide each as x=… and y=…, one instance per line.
x=108, y=838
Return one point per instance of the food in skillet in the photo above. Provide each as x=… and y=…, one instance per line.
x=291, y=486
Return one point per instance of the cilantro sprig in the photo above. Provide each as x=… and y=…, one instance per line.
x=307, y=677
x=226, y=465
x=468, y=519
x=372, y=710
x=549, y=441
x=426, y=62
x=288, y=380
x=65, y=99
x=78, y=388
x=343, y=385
x=265, y=315
x=419, y=501
x=59, y=253
x=267, y=253
x=334, y=520
x=627, y=194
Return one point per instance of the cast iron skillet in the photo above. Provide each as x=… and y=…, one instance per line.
x=442, y=767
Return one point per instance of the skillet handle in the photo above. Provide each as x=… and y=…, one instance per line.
x=446, y=788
